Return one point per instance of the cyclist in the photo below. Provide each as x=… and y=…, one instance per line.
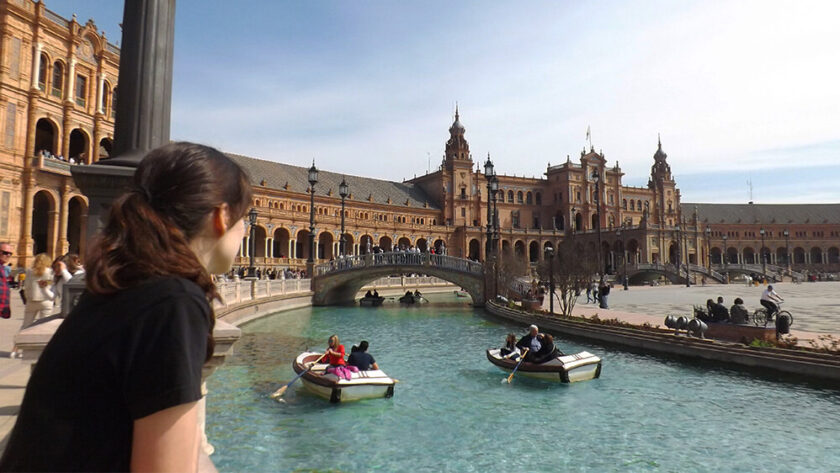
x=769, y=298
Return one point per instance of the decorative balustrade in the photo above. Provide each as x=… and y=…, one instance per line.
x=400, y=259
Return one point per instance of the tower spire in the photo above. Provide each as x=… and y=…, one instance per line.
x=456, y=111
x=659, y=139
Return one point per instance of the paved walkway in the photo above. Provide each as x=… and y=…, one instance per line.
x=14, y=374
x=815, y=306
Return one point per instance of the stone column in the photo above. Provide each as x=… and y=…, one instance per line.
x=100, y=91
x=36, y=66
x=70, y=92
x=63, y=216
x=292, y=248
x=52, y=233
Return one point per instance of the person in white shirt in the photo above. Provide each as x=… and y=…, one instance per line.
x=39, y=291
x=769, y=298
x=66, y=269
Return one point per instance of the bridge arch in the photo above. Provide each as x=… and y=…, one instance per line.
x=339, y=282
x=385, y=243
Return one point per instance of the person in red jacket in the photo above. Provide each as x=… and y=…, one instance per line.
x=335, y=357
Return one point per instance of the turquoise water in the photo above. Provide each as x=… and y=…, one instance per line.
x=450, y=411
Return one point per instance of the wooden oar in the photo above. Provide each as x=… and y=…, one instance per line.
x=510, y=378
x=283, y=389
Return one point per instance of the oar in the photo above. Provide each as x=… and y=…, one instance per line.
x=283, y=389
x=510, y=378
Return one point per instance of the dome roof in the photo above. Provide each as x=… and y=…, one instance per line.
x=660, y=155
x=456, y=125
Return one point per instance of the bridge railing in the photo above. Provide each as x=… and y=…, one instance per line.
x=398, y=258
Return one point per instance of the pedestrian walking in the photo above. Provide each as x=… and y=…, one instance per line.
x=5, y=280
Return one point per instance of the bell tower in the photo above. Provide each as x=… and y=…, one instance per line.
x=666, y=196
x=457, y=148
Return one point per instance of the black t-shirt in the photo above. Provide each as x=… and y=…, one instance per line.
x=115, y=359
x=361, y=360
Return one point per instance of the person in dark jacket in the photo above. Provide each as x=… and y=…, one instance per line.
x=360, y=358
x=532, y=341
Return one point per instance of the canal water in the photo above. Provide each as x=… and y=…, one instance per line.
x=452, y=413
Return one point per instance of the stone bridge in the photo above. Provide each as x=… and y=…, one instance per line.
x=773, y=271
x=338, y=282
x=638, y=271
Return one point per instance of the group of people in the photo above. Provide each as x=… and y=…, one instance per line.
x=598, y=293
x=534, y=347
x=716, y=311
x=40, y=286
x=359, y=359
x=269, y=273
x=47, y=154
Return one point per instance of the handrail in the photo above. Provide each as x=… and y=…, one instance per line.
x=399, y=258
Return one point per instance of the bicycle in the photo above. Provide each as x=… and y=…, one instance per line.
x=760, y=317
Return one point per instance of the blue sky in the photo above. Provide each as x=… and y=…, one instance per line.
x=739, y=90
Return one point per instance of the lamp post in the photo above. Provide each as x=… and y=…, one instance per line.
x=763, y=258
x=725, y=253
x=343, y=193
x=313, y=179
x=687, y=266
x=597, y=178
x=252, y=219
x=622, y=232
x=489, y=174
x=574, y=221
x=494, y=240
x=709, y=247
x=550, y=252
x=787, y=249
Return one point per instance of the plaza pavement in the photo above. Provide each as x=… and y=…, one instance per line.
x=815, y=306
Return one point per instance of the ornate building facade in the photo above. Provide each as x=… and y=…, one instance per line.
x=57, y=96
x=57, y=83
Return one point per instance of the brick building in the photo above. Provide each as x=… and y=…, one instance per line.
x=57, y=95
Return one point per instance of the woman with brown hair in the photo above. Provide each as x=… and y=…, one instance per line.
x=117, y=387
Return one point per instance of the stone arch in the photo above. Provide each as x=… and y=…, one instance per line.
x=46, y=136
x=533, y=252
x=673, y=250
x=474, y=252
x=749, y=256
x=732, y=255
x=404, y=243
x=423, y=244
x=519, y=248
x=439, y=246
x=816, y=255
x=385, y=243
x=280, y=241
x=302, y=247
x=633, y=251
x=764, y=255
x=105, y=147
x=260, y=236
x=717, y=255
x=781, y=256
x=77, y=209
x=578, y=222
x=547, y=245
x=594, y=221
x=506, y=248
x=349, y=242
x=325, y=246
x=799, y=255
x=43, y=217
x=365, y=244
x=79, y=146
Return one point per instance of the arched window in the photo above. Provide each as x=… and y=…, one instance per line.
x=114, y=103
x=528, y=198
x=57, y=79
x=42, y=72
x=81, y=90
x=106, y=97
x=519, y=197
x=632, y=205
x=647, y=206
x=510, y=196
x=624, y=204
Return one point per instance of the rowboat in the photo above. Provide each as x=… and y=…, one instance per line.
x=462, y=293
x=581, y=366
x=371, y=301
x=362, y=385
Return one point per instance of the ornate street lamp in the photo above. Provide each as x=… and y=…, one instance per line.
x=343, y=192
x=597, y=178
x=550, y=252
x=494, y=243
x=252, y=219
x=787, y=249
x=622, y=232
x=574, y=220
x=763, y=257
x=489, y=174
x=313, y=179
